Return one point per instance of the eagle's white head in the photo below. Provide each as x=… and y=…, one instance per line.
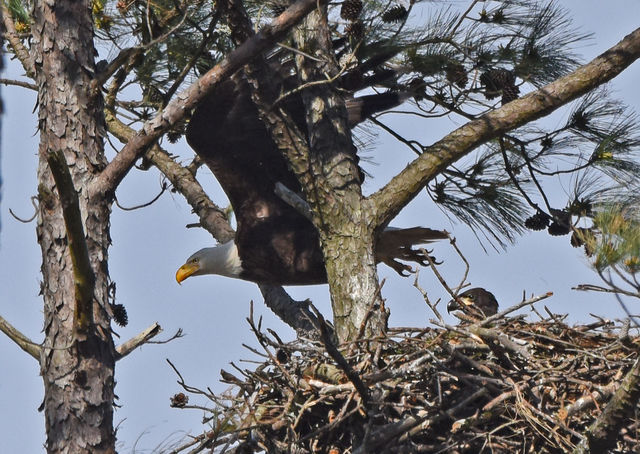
x=222, y=259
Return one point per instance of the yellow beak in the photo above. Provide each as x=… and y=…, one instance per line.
x=185, y=271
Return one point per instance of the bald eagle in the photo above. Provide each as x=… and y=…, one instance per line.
x=477, y=302
x=274, y=243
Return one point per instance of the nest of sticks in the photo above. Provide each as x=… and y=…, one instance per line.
x=500, y=385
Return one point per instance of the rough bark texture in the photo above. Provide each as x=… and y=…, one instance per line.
x=331, y=180
x=77, y=359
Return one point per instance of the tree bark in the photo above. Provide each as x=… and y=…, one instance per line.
x=331, y=180
x=78, y=356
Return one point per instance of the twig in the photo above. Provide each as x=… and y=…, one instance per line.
x=35, y=212
x=432, y=306
x=143, y=205
x=513, y=308
x=142, y=338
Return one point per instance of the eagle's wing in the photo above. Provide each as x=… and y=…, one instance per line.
x=275, y=242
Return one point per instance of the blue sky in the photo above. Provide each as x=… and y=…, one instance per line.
x=149, y=245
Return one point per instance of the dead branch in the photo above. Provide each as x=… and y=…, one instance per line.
x=140, y=339
x=19, y=83
x=143, y=205
x=83, y=275
x=20, y=339
x=34, y=201
x=294, y=200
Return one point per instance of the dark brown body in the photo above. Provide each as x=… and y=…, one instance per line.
x=276, y=244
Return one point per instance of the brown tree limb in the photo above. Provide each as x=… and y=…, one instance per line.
x=388, y=201
x=83, y=275
x=602, y=435
x=212, y=217
x=20, y=339
x=294, y=313
x=187, y=100
x=19, y=83
x=140, y=339
x=16, y=44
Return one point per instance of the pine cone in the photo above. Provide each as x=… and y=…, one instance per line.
x=538, y=221
x=497, y=81
x=457, y=74
x=557, y=229
x=509, y=93
x=576, y=239
x=355, y=30
x=120, y=314
x=351, y=10
x=179, y=400
x=395, y=14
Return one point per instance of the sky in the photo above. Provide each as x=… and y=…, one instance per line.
x=151, y=243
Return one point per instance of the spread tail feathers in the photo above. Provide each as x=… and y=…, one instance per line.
x=361, y=108
x=397, y=244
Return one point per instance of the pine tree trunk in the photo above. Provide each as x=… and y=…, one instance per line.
x=332, y=188
x=77, y=361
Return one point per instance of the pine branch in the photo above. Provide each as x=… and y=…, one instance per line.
x=16, y=44
x=187, y=100
x=388, y=201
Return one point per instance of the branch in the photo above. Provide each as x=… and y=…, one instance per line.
x=16, y=44
x=83, y=276
x=212, y=217
x=602, y=435
x=294, y=313
x=142, y=338
x=293, y=200
x=515, y=307
x=187, y=100
x=19, y=83
x=389, y=200
x=20, y=339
